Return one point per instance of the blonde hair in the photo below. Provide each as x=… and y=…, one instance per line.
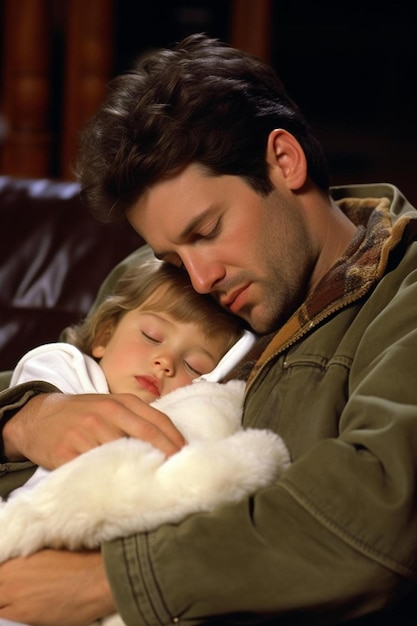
x=157, y=286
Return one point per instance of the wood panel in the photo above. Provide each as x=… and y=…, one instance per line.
x=251, y=27
x=85, y=27
x=27, y=88
x=48, y=97
x=89, y=65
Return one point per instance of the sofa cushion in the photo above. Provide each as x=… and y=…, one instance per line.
x=53, y=258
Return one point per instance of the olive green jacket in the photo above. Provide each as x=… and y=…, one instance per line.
x=336, y=537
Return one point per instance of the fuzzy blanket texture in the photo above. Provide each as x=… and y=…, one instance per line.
x=128, y=486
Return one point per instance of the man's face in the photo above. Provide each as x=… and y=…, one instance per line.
x=251, y=253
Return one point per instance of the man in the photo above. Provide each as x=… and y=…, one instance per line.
x=212, y=163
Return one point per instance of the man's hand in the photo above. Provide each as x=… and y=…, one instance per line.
x=55, y=587
x=52, y=429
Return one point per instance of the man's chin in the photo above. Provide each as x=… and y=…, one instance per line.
x=254, y=321
x=246, y=315
x=260, y=323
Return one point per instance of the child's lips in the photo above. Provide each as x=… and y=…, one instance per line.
x=150, y=383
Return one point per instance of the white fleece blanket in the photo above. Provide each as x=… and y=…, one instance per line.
x=127, y=486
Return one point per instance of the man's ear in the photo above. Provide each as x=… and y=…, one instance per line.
x=101, y=340
x=286, y=159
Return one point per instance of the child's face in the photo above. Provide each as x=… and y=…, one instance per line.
x=150, y=354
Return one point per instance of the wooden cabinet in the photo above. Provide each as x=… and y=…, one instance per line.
x=58, y=56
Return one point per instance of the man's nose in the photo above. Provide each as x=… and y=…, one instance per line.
x=204, y=273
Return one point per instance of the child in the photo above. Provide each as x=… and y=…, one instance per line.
x=153, y=335
x=152, y=338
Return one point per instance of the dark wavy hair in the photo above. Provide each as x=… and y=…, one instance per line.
x=200, y=102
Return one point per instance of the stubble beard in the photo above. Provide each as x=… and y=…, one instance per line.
x=286, y=287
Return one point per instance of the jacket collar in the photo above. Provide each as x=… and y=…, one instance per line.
x=382, y=222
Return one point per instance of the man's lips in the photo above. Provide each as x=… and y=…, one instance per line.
x=150, y=383
x=235, y=300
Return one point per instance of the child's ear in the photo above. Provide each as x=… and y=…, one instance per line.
x=98, y=351
x=101, y=340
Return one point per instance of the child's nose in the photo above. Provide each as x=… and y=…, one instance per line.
x=165, y=363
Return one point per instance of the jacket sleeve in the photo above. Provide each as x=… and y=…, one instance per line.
x=14, y=474
x=244, y=558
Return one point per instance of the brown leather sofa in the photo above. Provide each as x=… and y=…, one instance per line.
x=53, y=258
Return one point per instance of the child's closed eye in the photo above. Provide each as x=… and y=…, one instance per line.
x=151, y=338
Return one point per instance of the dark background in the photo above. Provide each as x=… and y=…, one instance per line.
x=350, y=65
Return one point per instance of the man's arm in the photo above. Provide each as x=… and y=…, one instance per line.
x=30, y=589
x=52, y=428
x=248, y=559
